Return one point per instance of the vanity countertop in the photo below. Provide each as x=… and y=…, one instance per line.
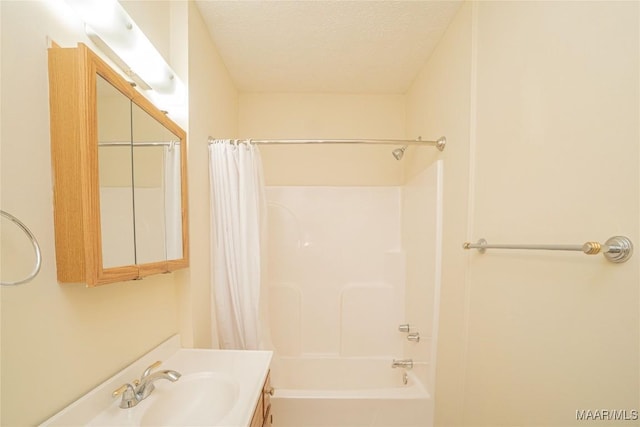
x=217, y=387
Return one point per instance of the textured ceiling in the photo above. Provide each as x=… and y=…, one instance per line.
x=326, y=46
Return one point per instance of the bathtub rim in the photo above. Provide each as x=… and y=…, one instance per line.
x=416, y=390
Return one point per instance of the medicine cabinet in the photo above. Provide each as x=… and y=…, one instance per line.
x=119, y=172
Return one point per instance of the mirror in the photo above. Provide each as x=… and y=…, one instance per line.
x=140, y=191
x=119, y=163
x=115, y=169
x=156, y=178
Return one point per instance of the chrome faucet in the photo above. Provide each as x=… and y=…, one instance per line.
x=145, y=386
x=402, y=363
x=132, y=394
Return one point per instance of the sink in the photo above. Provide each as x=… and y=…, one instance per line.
x=217, y=388
x=201, y=399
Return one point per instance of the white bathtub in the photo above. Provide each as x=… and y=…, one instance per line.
x=347, y=392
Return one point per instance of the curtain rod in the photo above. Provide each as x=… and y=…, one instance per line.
x=439, y=143
x=143, y=144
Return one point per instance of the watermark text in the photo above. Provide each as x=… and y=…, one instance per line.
x=606, y=414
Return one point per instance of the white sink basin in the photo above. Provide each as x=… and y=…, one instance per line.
x=201, y=399
x=217, y=388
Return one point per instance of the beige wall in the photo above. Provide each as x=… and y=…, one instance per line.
x=316, y=116
x=543, y=100
x=438, y=103
x=154, y=25
x=539, y=102
x=59, y=341
x=213, y=110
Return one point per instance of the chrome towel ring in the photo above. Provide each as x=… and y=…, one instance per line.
x=35, y=245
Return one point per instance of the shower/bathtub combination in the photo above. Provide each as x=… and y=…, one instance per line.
x=347, y=266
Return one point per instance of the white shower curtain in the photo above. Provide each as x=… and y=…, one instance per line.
x=237, y=223
x=172, y=202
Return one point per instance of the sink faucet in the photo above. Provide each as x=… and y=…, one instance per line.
x=132, y=394
x=145, y=386
x=402, y=363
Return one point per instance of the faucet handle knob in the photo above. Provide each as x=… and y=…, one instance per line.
x=128, y=393
x=151, y=367
x=121, y=390
x=414, y=336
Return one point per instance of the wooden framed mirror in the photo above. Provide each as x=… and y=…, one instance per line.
x=120, y=175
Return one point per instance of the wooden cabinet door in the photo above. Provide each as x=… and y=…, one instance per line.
x=267, y=391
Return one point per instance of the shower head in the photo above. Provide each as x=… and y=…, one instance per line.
x=399, y=152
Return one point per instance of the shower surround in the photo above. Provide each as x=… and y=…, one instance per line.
x=336, y=271
x=338, y=287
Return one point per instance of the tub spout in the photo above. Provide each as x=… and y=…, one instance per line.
x=402, y=363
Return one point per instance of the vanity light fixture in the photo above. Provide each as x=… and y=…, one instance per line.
x=113, y=31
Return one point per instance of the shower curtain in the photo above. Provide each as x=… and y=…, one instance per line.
x=172, y=202
x=237, y=225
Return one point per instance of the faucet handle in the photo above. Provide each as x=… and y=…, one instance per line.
x=120, y=390
x=151, y=367
x=128, y=393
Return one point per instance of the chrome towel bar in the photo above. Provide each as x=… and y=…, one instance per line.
x=616, y=249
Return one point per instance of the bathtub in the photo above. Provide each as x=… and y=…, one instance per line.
x=347, y=392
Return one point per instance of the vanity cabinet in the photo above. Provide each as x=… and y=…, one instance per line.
x=119, y=175
x=262, y=415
